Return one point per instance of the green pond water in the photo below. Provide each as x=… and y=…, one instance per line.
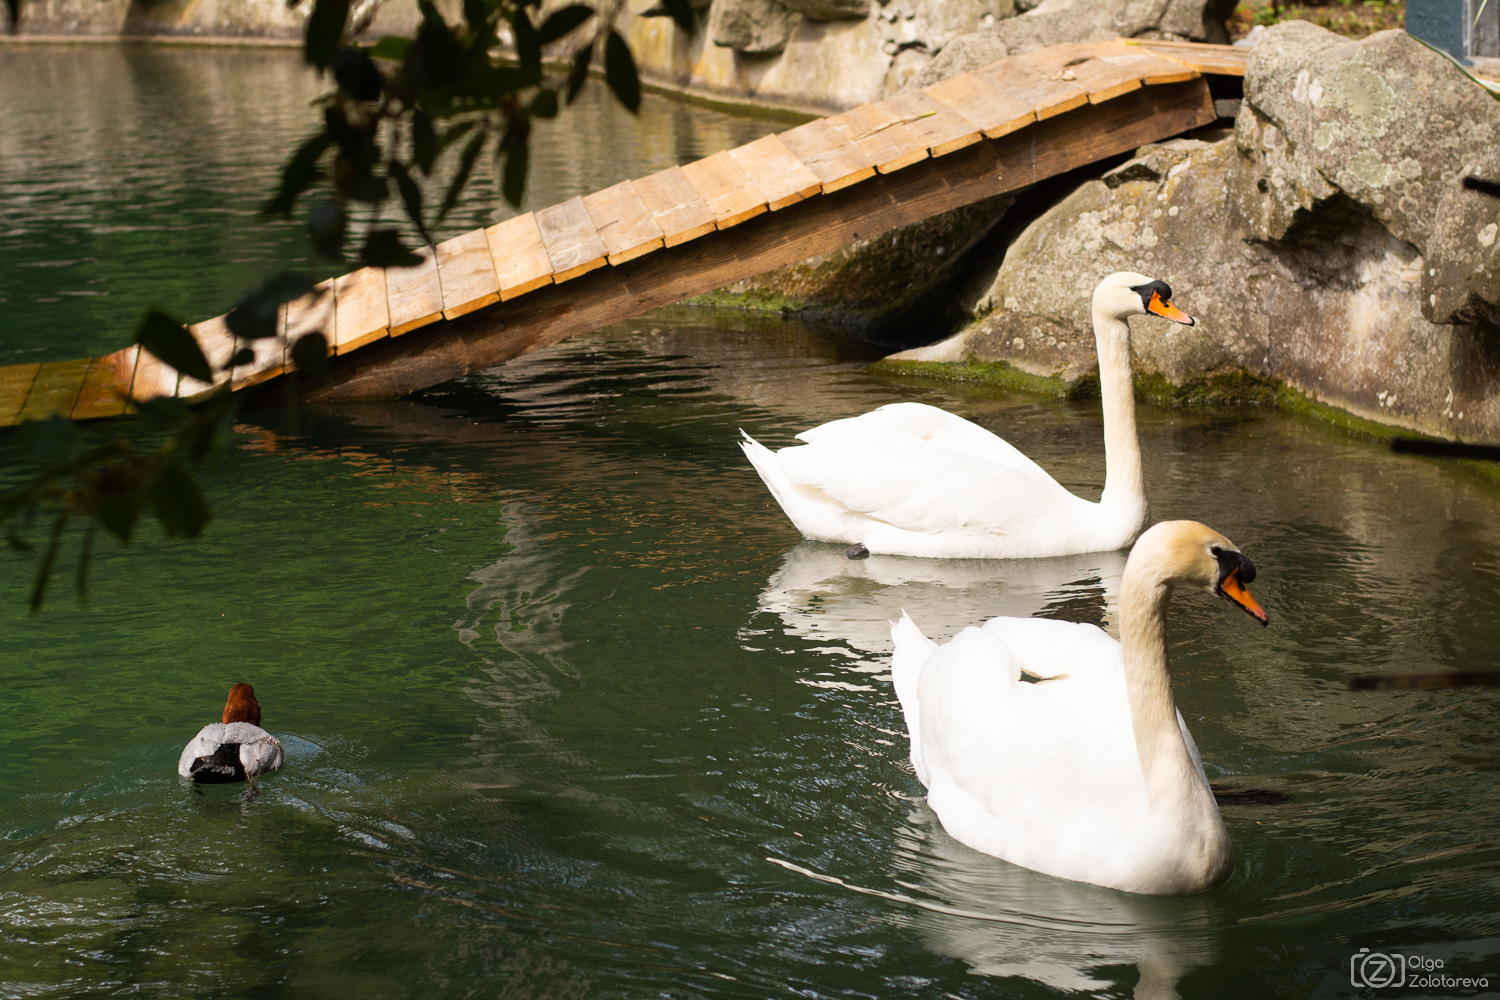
x=569, y=710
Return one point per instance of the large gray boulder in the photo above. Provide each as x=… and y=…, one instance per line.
x=1054, y=22
x=1326, y=246
x=758, y=27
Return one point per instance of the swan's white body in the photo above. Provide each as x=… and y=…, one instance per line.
x=913, y=480
x=1090, y=774
x=259, y=751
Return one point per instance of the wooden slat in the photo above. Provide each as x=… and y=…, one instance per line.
x=1222, y=60
x=106, y=387
x=573, y=244
x=835, y=161
x=467, y=274
x=314, y=313
x=361, y=314
x=1045, y=96
x=996, y=112
x=520, y=260
x=677, y=208
x=885, y=140
x=624, y=222
x=780, y=176
x=218, y=346
x=153, y=378
x=15, y=383
x=725, y=189
x=55, y=389
x=938, y=126
x=815, y=226
x=1105, y=70
x=413, y=294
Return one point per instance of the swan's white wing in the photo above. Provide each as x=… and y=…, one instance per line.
x=1033, y=773
x=1047, y=648
x=927, y=423
x=920, y=486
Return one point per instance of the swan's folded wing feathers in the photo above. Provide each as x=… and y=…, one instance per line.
x=1047, y=647
x=920, y=422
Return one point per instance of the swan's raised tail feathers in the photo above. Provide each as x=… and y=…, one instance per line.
x=913, y=650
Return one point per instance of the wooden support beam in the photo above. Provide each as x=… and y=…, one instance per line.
x=876, y=205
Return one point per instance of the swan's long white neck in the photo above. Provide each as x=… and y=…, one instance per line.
x=1124, y=480
x=1171, y=779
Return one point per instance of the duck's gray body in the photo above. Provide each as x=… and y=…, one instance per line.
x=228, y=752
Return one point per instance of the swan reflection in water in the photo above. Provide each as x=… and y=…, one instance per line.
x=1006, y=921
x=820, y=594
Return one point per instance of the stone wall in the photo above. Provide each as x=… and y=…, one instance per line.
x=1326, y=245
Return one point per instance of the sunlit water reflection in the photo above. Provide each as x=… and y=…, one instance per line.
x=570, y=710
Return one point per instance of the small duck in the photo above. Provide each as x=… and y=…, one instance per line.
x=236, y=749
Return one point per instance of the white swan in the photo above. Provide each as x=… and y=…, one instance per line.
x=913, y=480
x=1089, y=774
x=236, y=749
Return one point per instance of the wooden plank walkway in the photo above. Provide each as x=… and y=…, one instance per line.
x=493, y=294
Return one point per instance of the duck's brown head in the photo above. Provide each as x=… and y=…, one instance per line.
x=242, y=706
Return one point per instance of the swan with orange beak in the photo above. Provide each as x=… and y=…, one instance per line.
x=234, y=750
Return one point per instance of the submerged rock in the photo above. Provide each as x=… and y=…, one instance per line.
x=1326, y=246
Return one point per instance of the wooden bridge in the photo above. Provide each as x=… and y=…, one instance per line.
x=493, y=294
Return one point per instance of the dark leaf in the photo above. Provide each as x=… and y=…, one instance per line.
x=544, y=104
x=383, y=249
x=257, y=315
x=355, y=144
x=163, y=412
x=619, y=70
x=310, y=353
x=15, y=541
x=682, y=15
x=424, y=144
x=437, y=60
x=465, y=167
x=411, y=196
x=178, y=503
x=85, y=556
x=528, y=42
x=12, y=14
x=298, y=175
x=170, y=341
x=579, y=71
x=455, y=133
x=327, y=224
x=513, y=184
x=366, y=187
x=391, y=47
x=54, y=440
x=476, y=13
x=242, y=357
x=559, y=23
x=118, y=515
x=356, y=74
x=325, y=27
x=44, y=571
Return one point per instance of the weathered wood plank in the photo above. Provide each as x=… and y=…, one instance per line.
x=218, y=346
x=774, y=239
x=414, y=295
x=1046, y=96
x=625, y=224
x=315, y=313
x=573, y=244
x=882, y=136
x=996, y=111
x=106, y=387
x=153, y=378
x=834, y=160
x=466, y=274
x=782, y=178
x=725, y=189
x=521, y=262
x=1222, y=60
x=1104, y=69
x=679, y=211
x=361, y=314
x=55, y=389
x=942, y=129
x=15, y=383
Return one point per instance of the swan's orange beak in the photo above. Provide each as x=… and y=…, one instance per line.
x=1166, y=310
x=1238, y=595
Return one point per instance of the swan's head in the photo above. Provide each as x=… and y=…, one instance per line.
x=1189, y=554
x=242, y=706
x=1125, y=294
